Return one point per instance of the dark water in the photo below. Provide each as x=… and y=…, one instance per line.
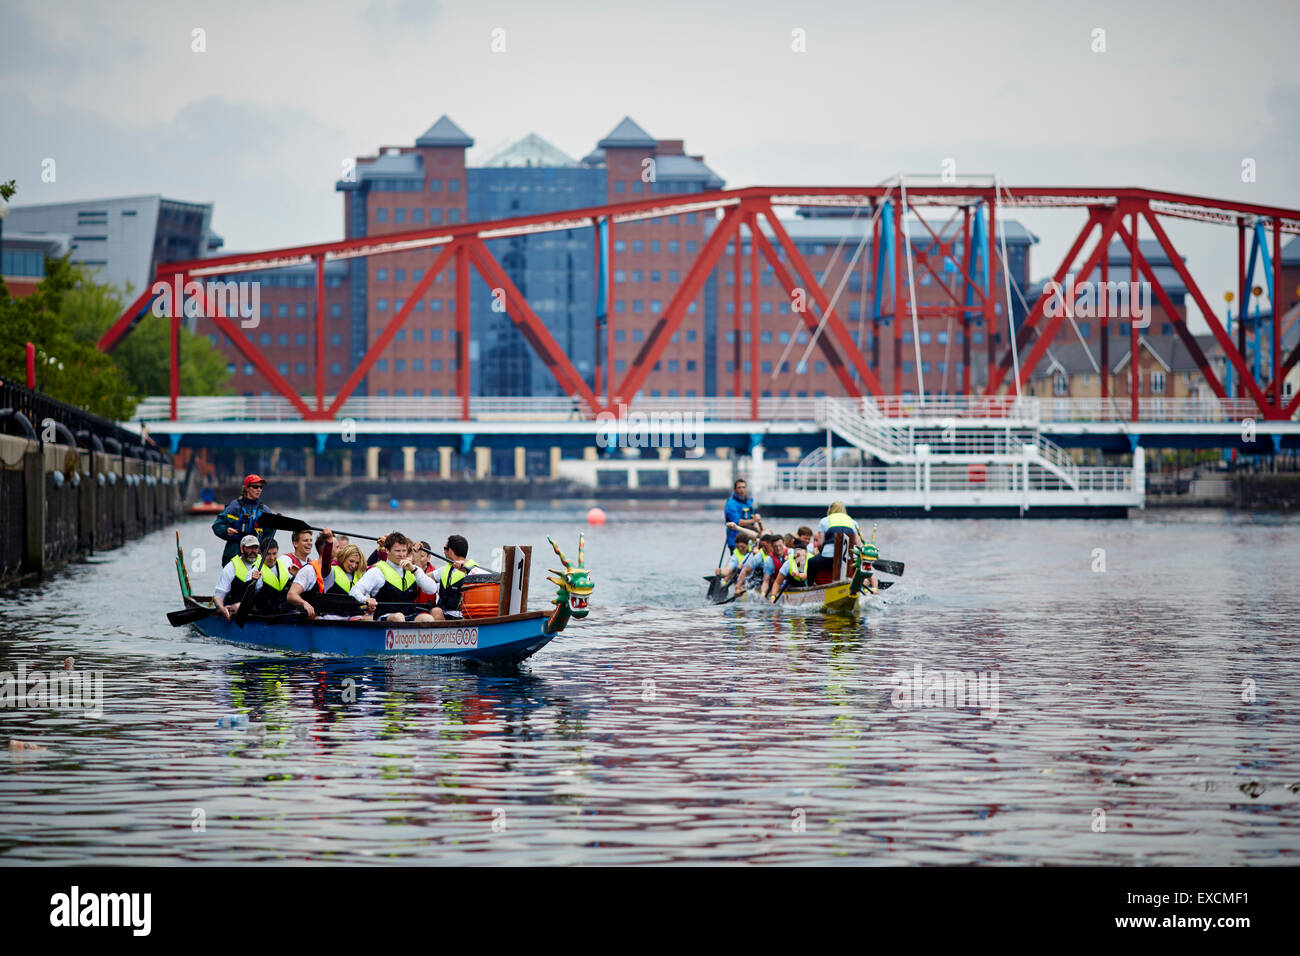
x=660, y=730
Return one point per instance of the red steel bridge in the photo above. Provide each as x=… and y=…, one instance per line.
x=1107, y=214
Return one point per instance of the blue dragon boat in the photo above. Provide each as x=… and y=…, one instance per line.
x=511, y=635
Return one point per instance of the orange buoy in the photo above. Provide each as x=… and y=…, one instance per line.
x=595, y=516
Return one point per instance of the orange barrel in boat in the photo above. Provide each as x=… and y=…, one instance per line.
x=480, y=600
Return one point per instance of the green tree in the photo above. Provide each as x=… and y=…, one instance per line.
x=144, y=356
x=67, y=368
x=66, y=317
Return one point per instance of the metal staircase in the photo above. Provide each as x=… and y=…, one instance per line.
x=862, y=425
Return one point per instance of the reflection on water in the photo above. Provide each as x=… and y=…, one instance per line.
x=1147, y=714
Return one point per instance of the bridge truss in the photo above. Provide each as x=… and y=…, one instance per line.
x=1110, y=213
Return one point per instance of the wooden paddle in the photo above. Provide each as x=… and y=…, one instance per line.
x=889, y=567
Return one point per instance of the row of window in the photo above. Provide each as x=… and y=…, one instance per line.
x=416, y=365
x=656, y=306
x=638, y=275
x=928, y=367
x=765, y=337
x=399, y=275
x=435, y=305
x=336, y=368
x=1061, y=384
x=657, y=245
x=676, y=219
x=417, y=335
x=299, y=310
x=296, y=281
x=638, y=186
x=766, y=393
x=818, y=368
x=638, y=335
x=416, y=215
x=408, y=185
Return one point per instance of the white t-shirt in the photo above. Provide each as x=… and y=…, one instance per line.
x=306, y=578
x=227, y=579
x=374, y=579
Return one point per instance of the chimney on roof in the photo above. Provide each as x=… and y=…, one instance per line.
x=671, y=147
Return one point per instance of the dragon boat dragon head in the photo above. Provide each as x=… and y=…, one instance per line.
x=864, y=556
x=574, y=584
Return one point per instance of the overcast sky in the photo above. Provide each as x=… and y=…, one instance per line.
x=259, y=123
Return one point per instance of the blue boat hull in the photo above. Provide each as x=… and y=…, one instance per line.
x=498, y=640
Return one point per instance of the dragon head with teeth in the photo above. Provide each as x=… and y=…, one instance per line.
x=575, y=587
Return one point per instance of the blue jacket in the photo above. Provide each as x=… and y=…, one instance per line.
x=246, y=518
x=736, y=509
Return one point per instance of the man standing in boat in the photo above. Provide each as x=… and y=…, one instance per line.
x=740, y=512
x=243, y=516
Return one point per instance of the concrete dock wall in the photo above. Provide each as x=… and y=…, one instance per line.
x=58, y=503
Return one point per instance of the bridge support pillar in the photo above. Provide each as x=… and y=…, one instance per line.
x=372, y=462
x=555, y=461
x=521, y=462
x=673, y=480
x=589, y=454
x=309, y=463
x=482, y=462
x=444, y=462
x=408, y=461
x=347, y=462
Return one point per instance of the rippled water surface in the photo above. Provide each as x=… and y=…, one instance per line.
x=1145, y=713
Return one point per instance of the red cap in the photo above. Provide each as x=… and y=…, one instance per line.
x=253, y=480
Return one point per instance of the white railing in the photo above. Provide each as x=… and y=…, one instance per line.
x=874, y=436
x=481, y=408
x=814, y=459
x=885, y=415
x=972, y=479
x=1023, y=409
x=1118, y=409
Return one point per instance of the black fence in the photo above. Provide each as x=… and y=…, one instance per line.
x=74, y=483
x=24, y=412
